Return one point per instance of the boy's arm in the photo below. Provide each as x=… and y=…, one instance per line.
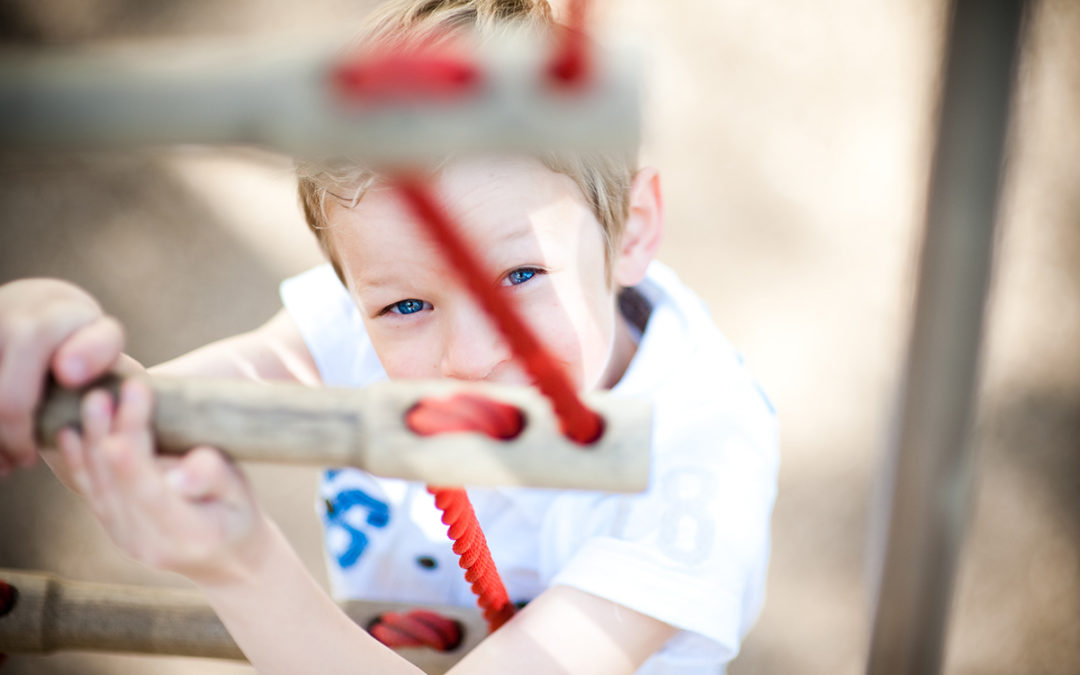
x=297, y=628
x=565, y=630
x=199, y=518
x=273, y=351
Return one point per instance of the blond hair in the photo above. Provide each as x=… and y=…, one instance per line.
x=603, y=178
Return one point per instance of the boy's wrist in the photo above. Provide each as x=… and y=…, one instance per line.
x=252, y=561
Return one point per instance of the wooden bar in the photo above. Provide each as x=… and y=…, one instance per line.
x=51, y=613
x=284, y=99
x=365, y=428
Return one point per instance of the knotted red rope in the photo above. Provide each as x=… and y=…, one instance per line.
x=8, y=596
x=429, y=629
x=465, y=412
x=412, y=75
x=461, y=412
x=407, y=75
x=418, y=628
x=476, y=414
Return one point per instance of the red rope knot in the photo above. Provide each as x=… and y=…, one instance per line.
x=418, y=628
x=407, y=75
x=465, y=412
x=8, y=596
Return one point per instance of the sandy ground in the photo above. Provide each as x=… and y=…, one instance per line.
x=794, y=141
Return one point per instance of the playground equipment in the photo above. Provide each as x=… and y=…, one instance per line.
x=929, y=475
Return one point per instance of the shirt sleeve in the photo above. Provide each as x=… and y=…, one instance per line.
x=693, y=549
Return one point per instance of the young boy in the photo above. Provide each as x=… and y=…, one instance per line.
x=667, y=581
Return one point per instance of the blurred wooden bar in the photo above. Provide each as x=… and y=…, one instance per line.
x=285, y=100
x=51, y=614
x=365, y=428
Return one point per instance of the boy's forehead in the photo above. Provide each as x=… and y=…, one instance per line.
x=501, y=192
x=504, y=207
x=523, y=180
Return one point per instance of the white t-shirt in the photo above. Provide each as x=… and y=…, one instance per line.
x=691, y=551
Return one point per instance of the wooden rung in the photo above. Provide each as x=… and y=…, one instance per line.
x=51, y=613
x=284, y=100
x=365, y=428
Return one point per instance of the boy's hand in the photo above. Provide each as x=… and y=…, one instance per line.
x=46, y=326
x=194, y=516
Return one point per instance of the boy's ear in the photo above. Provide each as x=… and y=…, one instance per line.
x=644, y=229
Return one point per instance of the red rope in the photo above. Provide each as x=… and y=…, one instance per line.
x=424, y=628
x=472, y=413
x=465, y=412
x=468, y=412
x=475, y=558
x=418, y=628
x=405, y=76
x=461, y=412
x=8, y=596
x=410, y=75
x=570, y=66
x=578, y=422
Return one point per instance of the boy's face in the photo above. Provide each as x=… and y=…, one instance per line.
x=533, y=231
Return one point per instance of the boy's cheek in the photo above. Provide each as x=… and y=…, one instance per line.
x=580, y=347
x=402, y=357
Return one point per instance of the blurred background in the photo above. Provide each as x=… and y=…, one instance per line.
x=794, y=143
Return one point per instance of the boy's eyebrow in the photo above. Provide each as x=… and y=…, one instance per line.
x=374, y=283
x=512, y=233
x=506, y=236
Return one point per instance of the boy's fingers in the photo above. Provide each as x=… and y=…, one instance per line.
x=136, y=405
x=77, y=455
x=71, y=448
x=130, y=448
x=25, y=348
x=96, y=419
x=89, y=352
x=21, y=377
x=203, y=474
x=96, y=416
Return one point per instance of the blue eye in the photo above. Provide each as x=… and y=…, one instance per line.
x=520, y=276
x=410, y=306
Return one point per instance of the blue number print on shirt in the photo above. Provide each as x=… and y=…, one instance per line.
x=378, y=515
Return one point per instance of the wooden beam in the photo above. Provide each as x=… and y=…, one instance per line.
x=284, y=99
x=365, y=428
x=51, y=613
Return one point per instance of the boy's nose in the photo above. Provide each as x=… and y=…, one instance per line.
x=473, y=347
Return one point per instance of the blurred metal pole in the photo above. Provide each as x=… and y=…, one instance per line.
x=930, y=459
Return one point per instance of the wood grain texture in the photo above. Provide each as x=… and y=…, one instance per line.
x=364, y=428
x=52, y=613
